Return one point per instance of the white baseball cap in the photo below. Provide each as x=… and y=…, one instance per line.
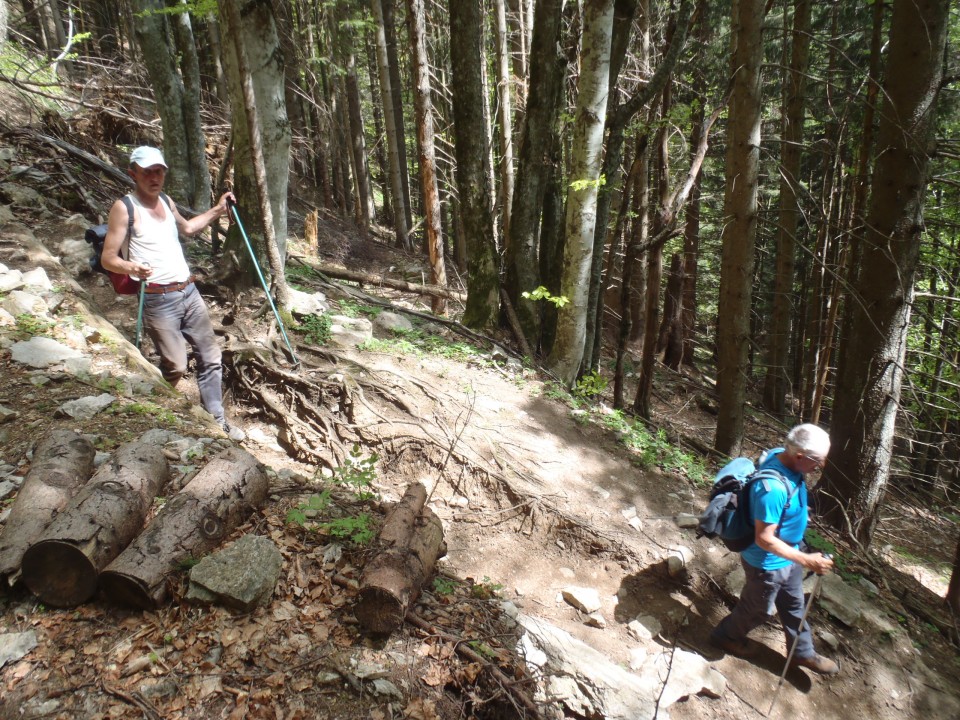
x=146, y=156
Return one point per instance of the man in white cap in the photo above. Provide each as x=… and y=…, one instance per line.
x=774, y=564
x=173, y=311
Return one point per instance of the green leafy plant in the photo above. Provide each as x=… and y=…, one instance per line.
x=590, y=385
x=357, y=529
x=314, y=505
x=352, y=308
x=444, y=585
x=315, y=329
x=357, y=473
x=541, y=293
x=486, y=589
x=30, y=326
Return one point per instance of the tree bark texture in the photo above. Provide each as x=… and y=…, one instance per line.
x=193, y=522
x=411, y=541
x=61, y=568
x=473, y=184
x=62, y=464
x=428, y=163
x=871, y=359
x=547, y=69
x=398, y=202
x=794, y=106
x=504, y=108
x=739, y=224
x=581, y=211
x=259, y=121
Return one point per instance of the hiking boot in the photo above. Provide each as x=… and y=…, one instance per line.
x=818, y=663
x=741, y=648
x=234, y=433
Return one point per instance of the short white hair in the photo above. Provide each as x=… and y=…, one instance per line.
x=809, y=438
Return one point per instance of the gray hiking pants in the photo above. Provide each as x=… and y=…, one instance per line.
x=764, y=592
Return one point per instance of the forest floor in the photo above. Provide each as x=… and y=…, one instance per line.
x=535, y=496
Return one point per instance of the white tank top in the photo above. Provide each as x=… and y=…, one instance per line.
x=157, y=242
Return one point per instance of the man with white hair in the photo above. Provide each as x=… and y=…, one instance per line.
x=145, y=225
x=774, y=564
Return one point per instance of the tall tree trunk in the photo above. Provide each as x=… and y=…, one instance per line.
x=483, y=287
x=428, y=164
x=398, y=202
x=504, y=112
x=547, y=69
x=739, y=224
x=585, y=161
x=389, y=27
x=258, y=100
x=875, y=327
x=775, y=386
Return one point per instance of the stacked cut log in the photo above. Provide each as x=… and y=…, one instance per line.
x=62, y=465
x=411, y=541
x=194, y=521
x=62, y=567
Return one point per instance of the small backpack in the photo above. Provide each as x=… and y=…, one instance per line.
x=728, y=515
x=96, y=235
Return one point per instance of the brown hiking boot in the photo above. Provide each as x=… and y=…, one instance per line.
x=741, y=648
x=818, y=663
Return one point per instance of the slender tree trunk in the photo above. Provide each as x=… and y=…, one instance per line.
x=739, y=224
x=504, y=112
x=547, y=68
x=274, y=131
x=466, y=20
x=585, y=164
x=875, y=327
x=428, y=164
x=398, y=203
x=389, y=27
x=775, y=387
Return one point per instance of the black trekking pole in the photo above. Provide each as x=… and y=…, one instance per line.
x=793, y=645
x=263, y=282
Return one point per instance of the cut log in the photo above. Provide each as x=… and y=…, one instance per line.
x=193, y=521
x=62, y=567
x=62, y=464
x=411, y=540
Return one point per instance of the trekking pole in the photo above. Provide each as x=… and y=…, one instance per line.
x=263, y=282
x=793, y=646
x=143, y=287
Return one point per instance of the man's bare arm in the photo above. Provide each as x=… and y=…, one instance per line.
x=117, y=224
x=766, y=539
x=196, y=224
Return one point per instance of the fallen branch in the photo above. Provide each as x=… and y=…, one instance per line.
x=378, y=280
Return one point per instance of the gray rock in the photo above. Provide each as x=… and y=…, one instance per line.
x=842, y=601
x=595, y=620
x=7, y=414
x=86, y=407
x=11, y=280
x=37, y=278
x=586, y=600
x=241, y=576
x=686, y=520
x=20, y=302
x=22, y=196
x=678, y=558
x=14, y=646
x=302, y=303
x=78, y=366
x=41, y=352
x=346, y=331
x=6, y=319
x=385, y=688
x=7, y=489
x=391, y=322
x=689, y=674
x=6, y=215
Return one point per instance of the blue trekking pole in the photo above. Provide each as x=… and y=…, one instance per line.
x=263, y=282
x=143, y=288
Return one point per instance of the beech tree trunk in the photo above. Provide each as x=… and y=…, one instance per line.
x=193, y=522
x=412, y=540
x=62, y=464
x=61, y=568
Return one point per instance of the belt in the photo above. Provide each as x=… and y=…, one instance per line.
x=160, y=289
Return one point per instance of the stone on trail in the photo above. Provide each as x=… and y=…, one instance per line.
x=241, y=576
x=391, y=322
x=586, y=600
x=20, y=302
x=86, y=407
x=14, y=646
x=41, y=352
x=347, y=331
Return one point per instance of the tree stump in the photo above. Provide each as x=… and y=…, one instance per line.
x=62, y=567
x=62, y=464
x=193, y=522
x=412, y=540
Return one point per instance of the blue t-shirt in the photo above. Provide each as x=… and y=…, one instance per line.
x=767, y=505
